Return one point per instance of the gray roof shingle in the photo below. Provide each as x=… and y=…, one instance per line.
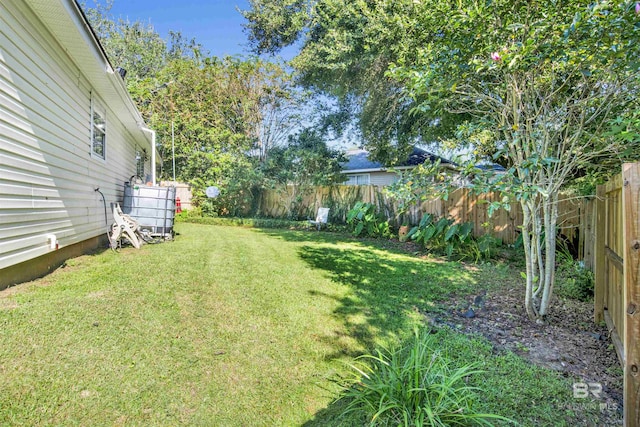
x=359, y=160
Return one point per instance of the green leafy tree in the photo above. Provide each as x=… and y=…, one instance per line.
x=222, y=104
x=136, y=46
x=544, y=80
x=211, y=109
x=278, y=106
x=346, y=47
x=222, y=115
x=426, y=181
x=226, y=114
x=304, y=163
x=547, y=89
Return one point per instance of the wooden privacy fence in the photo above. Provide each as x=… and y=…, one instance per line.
x=462, y=205
x=617, y=286
x=183, y=192
x=605, y=229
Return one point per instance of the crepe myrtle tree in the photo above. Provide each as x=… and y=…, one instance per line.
x=545, y=80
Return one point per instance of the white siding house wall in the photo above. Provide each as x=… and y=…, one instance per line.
x=48, y=176
x=382, y=179
x=379, y=178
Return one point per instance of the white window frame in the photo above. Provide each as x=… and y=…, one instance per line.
x=359, y=179
x=141, y=160
x=98, y=112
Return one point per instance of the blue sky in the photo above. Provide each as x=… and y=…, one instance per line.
x=215, y=24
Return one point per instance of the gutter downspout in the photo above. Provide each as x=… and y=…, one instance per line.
x=153, y=153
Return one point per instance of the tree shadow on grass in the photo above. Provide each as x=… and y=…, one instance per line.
x=310, y=235
x=387, y=291
x=388, y=287
x=313, y=236
x=334, y=415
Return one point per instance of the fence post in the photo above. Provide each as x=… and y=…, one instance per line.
x=599, y=257
x=587, y=232
x=631, y=236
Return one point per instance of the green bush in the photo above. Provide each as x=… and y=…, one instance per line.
x=413, y=386
x=247, y=222
x=488, y=246
x=187, y=215
x=365, y=221
x=254, y=222
x=442, y=235
x=573, y=280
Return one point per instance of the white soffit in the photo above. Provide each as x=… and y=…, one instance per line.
x=67, y=24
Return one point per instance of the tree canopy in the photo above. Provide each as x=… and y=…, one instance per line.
x=571, y=64
x=353, y=50
x=541, y=83
x=347, y=47
x=547, y=88
x=225, y=116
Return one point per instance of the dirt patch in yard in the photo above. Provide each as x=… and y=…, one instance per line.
x=6, y=304
x=570, y=342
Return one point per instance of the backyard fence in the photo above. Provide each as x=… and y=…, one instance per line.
x=465, y=206
x=617, y=286
x=183, y=192
x=462, y=205
x=603, y=230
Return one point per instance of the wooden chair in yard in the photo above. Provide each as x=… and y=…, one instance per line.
x=321, y=218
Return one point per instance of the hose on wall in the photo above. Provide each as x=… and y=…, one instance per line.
x=106, y=221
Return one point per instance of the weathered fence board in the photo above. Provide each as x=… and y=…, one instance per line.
x=631, y=306
x=609, y=286
x=462, y=205
x=599, y=254
x=587, y=234
x=617, y=275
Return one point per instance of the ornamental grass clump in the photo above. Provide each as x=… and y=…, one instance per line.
x=413, y=386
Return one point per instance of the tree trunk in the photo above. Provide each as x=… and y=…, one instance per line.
x=539, y=260
x=529, y=251
x=550, y=214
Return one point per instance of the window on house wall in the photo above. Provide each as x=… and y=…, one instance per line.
x=141, y=157
x=98, y=129
x=360, y=179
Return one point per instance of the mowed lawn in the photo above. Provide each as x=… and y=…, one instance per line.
x=230, y=326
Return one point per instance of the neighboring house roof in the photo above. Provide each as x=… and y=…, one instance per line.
x=491, y=167
x=359, y=161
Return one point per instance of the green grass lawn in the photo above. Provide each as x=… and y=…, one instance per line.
x=234, y=326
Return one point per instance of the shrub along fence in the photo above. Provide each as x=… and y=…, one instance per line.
x=462, y=205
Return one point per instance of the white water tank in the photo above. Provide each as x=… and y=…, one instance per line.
x=152, y=206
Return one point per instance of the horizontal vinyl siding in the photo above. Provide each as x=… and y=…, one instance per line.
x=47, y=174
x=382, y=179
